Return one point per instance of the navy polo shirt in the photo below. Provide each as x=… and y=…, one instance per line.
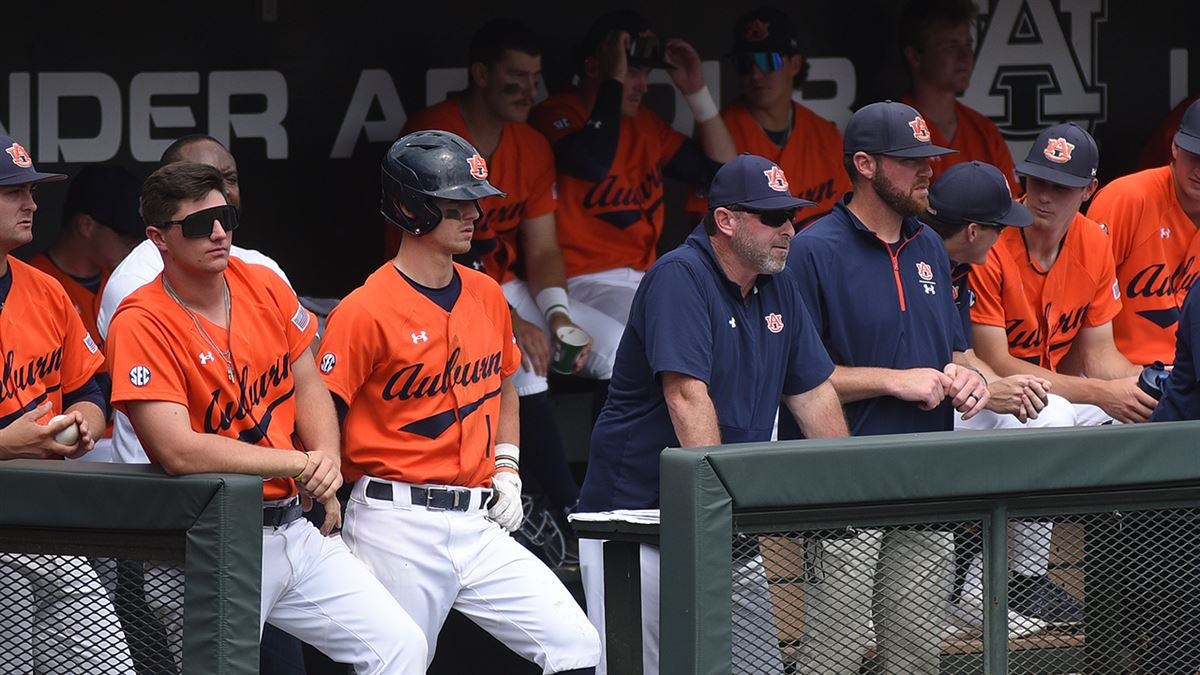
x=964, y=300
x=1181, y=394
x=688, y=317
x=882, y=306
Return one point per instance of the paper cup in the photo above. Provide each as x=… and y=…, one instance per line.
x=568, y=343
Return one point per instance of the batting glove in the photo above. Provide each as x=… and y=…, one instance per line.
x=506, y=509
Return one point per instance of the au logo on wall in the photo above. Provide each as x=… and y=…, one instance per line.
x=1036, y=66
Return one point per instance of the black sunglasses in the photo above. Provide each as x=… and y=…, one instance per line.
x=200, y=224
x=770, y=218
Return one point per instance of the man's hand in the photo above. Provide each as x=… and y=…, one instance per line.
x=1020, y=395
x=967, y=391
x=535, y=347
x=688, y=74
x=86, y=443
x=614, y=56
x=320, y=478
x=559, y=320
x=506, y=508
x=924, y=386
x=26, y=439
x=1125, y=401
x=333, y=513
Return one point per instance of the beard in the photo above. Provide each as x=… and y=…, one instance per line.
x=755, y=254
x=903, y=203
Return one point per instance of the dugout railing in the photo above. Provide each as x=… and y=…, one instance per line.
x=851, y=555
x=121, y=569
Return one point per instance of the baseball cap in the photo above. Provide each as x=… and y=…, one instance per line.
x=765, y=29
x=890, y=128
x=1064, y=154
x=1188, y=136
x=975, y=192
x=754, y=182
x=645, y=47
x=16, y=165
x=109, y=194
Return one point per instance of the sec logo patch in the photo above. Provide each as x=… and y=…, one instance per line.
x=139, y=376
x=328, y=361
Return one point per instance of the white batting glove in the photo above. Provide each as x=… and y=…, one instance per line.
x=506, y=509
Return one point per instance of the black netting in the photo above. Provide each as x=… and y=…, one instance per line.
x=1110, y=593
x=75, y=615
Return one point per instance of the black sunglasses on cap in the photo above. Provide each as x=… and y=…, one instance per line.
x=770, y=218
x=200, y=224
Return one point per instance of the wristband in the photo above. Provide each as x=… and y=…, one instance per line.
x=301, y=473
x=704, y=108
x=506, y=464
x=508, y=451
x=553, y=300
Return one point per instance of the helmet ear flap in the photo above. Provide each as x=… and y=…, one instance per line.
x=397, y=198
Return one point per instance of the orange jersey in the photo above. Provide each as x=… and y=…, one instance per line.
x=975, y=138
x=422, y=384
x=617, y=221
x=47, y=352
x=157, y=354
x=522, y=166
x=86, y=302
x=1043, y=311
x=1151, y=241
x=811, y=157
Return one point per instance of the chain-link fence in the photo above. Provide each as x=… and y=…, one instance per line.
x=1098, y=593
x=82, y=616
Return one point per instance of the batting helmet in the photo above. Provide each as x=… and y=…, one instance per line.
x=425, y=165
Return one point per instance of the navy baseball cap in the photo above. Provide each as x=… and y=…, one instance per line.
x=109, y=194
x=753, y=182
x=765, y=29
x=645, y=47
x=16, y=166
x=1188, y=136
x=1064, y=154
x=975, y=192
x=890, y=128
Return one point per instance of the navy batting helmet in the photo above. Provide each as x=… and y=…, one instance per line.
x=425, y=165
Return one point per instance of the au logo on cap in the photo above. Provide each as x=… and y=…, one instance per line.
x=478, y=166
x=776, y=179
x=920, y=129
x=19, y=155
x=1058, y=150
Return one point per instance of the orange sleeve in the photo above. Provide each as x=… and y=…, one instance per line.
x=81, y=356
x=1106, y=303
x=556, y=120
x=1120, y=215
x=144, y=365
x=348, y=348
x=986, y=283
x=542, y=191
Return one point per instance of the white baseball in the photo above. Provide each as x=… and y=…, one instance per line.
x=68, y=436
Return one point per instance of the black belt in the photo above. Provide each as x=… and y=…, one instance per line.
x=433, y=498
x=278, y=516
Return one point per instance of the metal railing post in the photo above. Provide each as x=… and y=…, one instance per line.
x=995, y=591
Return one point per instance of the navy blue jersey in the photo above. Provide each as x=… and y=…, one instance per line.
x=688, y=317
x=881, y=306
x=1181, y=394
x=964, y=299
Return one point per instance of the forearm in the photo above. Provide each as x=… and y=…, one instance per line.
x=692, y=412
x=508, y=428
x=316, y=422
x=861, y=383
x=819, y=412
x=1109, y=365
x=971, y=360
x=715, y=140
x=93, y=415
x=544, y=268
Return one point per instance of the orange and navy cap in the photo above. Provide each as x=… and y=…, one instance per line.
x=765, y=29
x=645, y=47
x=1188, y=136
x=17, y=167
x=1065, y=155
x=975, y=192
x=753, y=182
x=892, y=129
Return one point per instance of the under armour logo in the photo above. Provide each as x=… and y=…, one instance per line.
x=205, y=357
x=1165, y=232
x=930, y=289
x=478, y=265
x=418, y=338
x=732, y=322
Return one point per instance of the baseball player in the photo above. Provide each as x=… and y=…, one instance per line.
x=215, y=376
x=765, y=121
x=939, y=50
x=714, y=340
x=1151, y=217
x=611, y=153
x=1046, y=291
x=515, y=241
x=1157, y=150
x=51, y=366
x=877, y=284
x=420, y=361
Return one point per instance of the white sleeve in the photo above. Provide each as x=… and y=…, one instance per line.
x=255, y=258
x=137, y=269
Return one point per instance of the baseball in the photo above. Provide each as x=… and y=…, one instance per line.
x=68, y=436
